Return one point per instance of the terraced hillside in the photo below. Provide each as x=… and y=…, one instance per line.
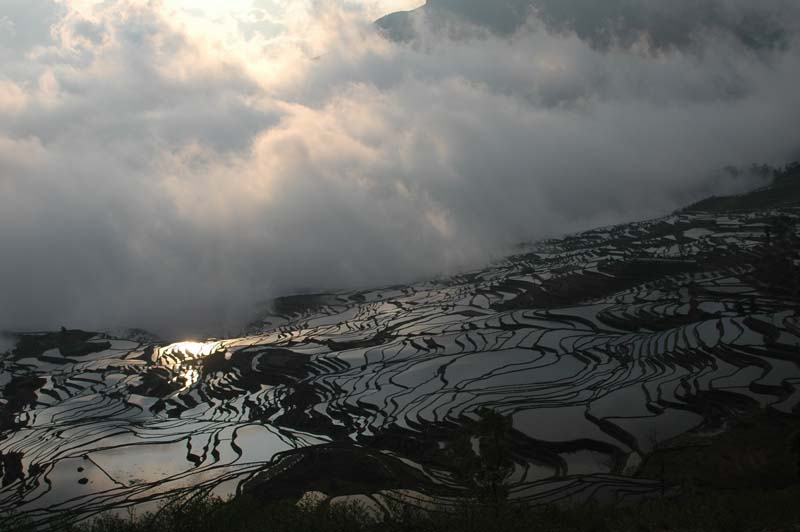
x=599, y=346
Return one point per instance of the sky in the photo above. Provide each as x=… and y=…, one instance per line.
x=172, y=165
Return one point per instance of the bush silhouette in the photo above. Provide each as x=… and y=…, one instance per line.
x=485, y=470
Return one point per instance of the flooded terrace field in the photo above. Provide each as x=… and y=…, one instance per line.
x=599, y=346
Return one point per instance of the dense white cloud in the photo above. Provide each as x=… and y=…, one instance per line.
x=170, y=166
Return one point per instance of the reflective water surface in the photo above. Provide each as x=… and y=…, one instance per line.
x=599, y=345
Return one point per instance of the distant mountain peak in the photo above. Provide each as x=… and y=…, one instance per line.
x=667, y=25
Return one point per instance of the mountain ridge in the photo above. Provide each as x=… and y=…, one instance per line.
x=615, y=23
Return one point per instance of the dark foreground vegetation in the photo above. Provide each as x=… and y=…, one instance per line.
x=746, y=478
x=717, y=510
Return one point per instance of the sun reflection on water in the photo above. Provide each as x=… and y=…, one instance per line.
x=192, y=350
x=182, y=358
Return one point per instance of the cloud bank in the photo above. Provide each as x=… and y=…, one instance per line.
x=167, y=168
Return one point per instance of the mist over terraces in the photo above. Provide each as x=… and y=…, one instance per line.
x=599, y=349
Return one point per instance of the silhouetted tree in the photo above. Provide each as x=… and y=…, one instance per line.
x=484, y=471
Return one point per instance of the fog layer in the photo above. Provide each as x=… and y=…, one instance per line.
x=170, y=171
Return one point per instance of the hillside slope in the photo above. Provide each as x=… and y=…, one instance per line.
x=600, y=347
x=681, y=24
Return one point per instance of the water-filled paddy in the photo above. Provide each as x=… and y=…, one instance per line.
x=600, y=346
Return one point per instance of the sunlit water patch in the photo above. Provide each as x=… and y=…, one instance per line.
x=184, y=359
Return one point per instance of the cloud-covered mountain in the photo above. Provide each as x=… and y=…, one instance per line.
x=764, y=25
x=168, y=170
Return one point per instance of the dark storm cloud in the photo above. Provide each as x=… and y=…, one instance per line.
x=150, y=177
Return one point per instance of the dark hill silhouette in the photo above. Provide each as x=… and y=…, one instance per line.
x=784, y=191
x=678, y=23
